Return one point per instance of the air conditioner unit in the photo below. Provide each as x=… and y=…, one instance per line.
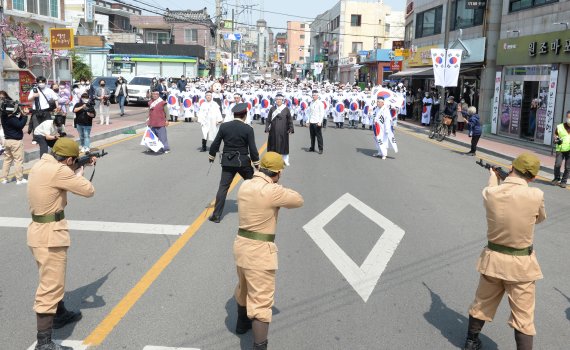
x=352, y=60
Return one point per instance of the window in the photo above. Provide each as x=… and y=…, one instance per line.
x=387, y=28
x=301, y=58
x=356, y=46
x=302, y=25
x=191, y=35
x=355, y=20
x=44, y=8
x=54, y=9
x=429, y=22
x=409, y=33
x=302, y=36
x=517, y=5
x=465, y=18
x=99, y=29
x=18, y=5
x=32, y=6
x=157, y=38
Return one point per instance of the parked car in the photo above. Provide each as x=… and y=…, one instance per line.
x=139, y=89
x=244, y=77
x=109, y=84
x=257, y=77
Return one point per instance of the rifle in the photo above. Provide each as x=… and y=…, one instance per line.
x=86, y=159
x=501, y=173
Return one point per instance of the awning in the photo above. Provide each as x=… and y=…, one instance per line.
x=419, y=71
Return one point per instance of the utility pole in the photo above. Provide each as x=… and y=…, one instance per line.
x=232, y=47
x=217, y=70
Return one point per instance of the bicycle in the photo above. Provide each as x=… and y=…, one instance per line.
x=438, y=129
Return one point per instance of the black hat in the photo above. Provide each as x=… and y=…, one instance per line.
x=240, y=109
x=315, y=92
x=279, y=95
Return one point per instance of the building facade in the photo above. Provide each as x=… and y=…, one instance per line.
x=298, y=51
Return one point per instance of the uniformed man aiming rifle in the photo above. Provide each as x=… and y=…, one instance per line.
x=255, y=252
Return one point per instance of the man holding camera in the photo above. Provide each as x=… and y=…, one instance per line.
x=47, y=133
x=48, y=237
x=562, y=140
x=13, y=123
x=45, y=101
x=84, y=114
x=508, y=263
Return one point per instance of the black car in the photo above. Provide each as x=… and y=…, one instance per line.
x=110, y=83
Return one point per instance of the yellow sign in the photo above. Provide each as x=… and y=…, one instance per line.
x=249, y=53
x=61, y=38
x=398, y=53
x=406, y=53
x=421, y=57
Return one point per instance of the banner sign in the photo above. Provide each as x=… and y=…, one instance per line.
x=318, y=67
x=549, y=125
x=61, y=38
x=495, y=112
x=446, y=65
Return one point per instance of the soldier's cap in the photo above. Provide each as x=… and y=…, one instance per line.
x=527, y=163
x=66, y=147
x=272, y=161
x=239, y=109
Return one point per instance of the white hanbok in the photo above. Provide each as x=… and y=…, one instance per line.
x=383, y=131
x=426, y=110
x=209, y=117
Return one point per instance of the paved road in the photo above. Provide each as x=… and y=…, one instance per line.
x=174, y=289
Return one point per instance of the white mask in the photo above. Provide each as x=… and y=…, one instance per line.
x=41, y=85
x=85, y=100
x=568, y=121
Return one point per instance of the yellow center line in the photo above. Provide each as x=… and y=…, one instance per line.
x=106, y=326
x=445, y=145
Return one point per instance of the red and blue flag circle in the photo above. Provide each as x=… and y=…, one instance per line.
x=304, y=105
x=339, y=107
x=393, y=112
x=249, y=106
x=438, y=60
x=366, y=109
x=254, y=101
x=187, y=103
x=172, y=100
x=325, y=104
x=201, y=101
x=354, y=106
x=149, y=134
x=384, y=94
x=265, y=103
x=288, y=102
x=453, y=60
x=296, y=101
x=226, y=103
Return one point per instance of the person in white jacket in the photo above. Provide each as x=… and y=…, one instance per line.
x=210, y=118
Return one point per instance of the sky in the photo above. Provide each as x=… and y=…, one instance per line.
x=305, y=8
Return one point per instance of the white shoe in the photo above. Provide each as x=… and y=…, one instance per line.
x=287, y=163
x=21, y=182
x=3, y=182
x=383, y=157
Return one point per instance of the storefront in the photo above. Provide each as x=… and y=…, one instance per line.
x=378, y=66
x=528, y=103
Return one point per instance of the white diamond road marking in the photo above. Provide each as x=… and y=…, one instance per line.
x=151, y=347
x=75, y=344
x=102, y=226
x=365, y=277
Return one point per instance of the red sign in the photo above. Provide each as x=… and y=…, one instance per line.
x=409, y=8
x=395, y=66
x=27, y=80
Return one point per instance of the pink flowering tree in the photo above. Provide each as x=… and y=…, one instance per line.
x=26, y=45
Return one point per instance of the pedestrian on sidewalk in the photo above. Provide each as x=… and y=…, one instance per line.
x=255, y=252
x=13, y=123
x=427, y=101
x=45, y=101
x=450, y=110
x=103, y=102
x=121, y=93
x=562, y=141
x=475, y=130
x=462, y=115
x=508, y=263
x=84, y=115
x=48, y=235
x=158, y=118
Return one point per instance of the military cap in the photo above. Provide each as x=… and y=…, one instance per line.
x=66, y=147
x=272, y=161
x=527, y=163
x=239, y=109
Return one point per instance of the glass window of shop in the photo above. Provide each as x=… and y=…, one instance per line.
x=463, y=17
x=429, y=22
x=524, y=102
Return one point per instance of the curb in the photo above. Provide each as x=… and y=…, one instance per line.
x=35, y=154
x=465, y=144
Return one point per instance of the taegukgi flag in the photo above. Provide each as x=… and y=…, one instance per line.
x=438, y=60
x=151, y=141
x=452, y=65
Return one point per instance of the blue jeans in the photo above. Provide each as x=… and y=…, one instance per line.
x=121, y=102
x=84, y=132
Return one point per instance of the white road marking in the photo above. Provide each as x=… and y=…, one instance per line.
x=365, y=277
x=103, y=226
x=75, y=344
x=152, y=347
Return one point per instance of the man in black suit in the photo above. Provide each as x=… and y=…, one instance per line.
x=238, y=154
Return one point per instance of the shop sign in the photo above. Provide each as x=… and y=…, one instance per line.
x=396, y=66
x=496, y=96
x=61, y=38
x=397, y=44
x=550, y=107
x=535, y=49
x=474, y=5
x=420, y=57
x=27, y=81
x=409, y=8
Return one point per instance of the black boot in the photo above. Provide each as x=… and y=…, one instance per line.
x=243, y=323
x=203, y=146
x=473, y=342
x=260, y=346
x=64, y=316
x=524, y=342
x=45, y=342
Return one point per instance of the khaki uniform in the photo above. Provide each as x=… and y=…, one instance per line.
x=48, y=184
x=259, y=200
x=513, y=209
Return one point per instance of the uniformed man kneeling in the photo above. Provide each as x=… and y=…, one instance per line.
x=255, y=252
x=48, y=237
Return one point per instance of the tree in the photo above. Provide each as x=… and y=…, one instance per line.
x=28, y=45
x=80, y=68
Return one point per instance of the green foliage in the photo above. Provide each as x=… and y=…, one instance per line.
x=80, y=68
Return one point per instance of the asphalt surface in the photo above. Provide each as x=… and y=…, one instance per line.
x=428, y=189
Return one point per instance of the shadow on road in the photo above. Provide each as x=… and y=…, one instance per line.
x=451, y=324
x=568, y=299
x=86, y=297
x=366, y=151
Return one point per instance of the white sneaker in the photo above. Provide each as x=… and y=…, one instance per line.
x=21, y=182
x=3, y=182
x=383, y=157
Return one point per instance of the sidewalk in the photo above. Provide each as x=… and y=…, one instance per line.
x=498, y=148
x=134, y=118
